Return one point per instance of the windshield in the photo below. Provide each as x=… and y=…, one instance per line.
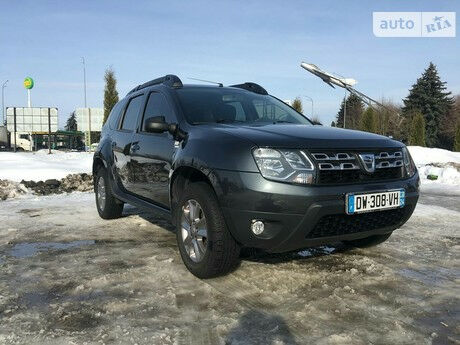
x=224, y=105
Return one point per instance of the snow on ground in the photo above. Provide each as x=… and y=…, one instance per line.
x=442, y=163
x=426, y=155
x=42, y=166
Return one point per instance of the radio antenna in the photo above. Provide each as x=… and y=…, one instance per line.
x=208, y=81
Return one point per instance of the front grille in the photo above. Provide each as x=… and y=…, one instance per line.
x=341, y=167
x=343, y=224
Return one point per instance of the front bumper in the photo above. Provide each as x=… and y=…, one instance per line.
x=300, y=216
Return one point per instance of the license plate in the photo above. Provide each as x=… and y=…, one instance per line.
x=358, y=203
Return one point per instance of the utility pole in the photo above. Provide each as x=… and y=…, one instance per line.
x=86, y=106
x=344, y=103
x=3, y=101
x=49, y=131
x=89, y=127
x=14, y=128
x=84, y=77
x=311, y=100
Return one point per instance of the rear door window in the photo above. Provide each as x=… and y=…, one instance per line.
x=114, y=116
x=131, y=113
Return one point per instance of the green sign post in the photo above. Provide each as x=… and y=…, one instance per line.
x=28, y=84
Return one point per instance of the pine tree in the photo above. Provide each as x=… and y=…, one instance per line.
x=355, y=109
x=333, y=124
x=71, y=124
x=110, y=92
x=417, y=130
x=457, y=139
x=297, y=105
x=448, y=128
x=368, y=121
x=429, y=97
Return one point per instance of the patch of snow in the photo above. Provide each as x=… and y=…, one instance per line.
x=42, y=166
x=427, y=155
x=442, y=163
x=439, y=188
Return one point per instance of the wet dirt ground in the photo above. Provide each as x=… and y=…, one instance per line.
x=69, y=277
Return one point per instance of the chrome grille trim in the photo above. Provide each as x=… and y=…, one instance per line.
x=386, y=155
x=341, y=156
x=387, y=164
x=342, y=166
x=349, y=161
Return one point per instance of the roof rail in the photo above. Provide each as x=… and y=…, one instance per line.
x=253, y=87
x=170, y=80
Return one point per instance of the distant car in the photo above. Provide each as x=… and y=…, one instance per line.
x=235, y=167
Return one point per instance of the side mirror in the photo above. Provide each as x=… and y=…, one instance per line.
x=316, y=123
x=156, y=124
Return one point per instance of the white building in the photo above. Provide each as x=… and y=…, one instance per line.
x=83, y=115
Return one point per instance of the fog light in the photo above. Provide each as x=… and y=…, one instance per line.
x=257, y=227
x=304, y=178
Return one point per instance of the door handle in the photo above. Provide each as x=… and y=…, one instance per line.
x=134, y=148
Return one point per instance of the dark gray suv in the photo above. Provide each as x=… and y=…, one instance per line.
x=235, y=167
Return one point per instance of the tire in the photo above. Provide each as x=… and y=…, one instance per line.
x=111, y=208
x=368, y=241
x=220, y=251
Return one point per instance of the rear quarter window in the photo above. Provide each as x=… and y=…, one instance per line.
x=114, y=117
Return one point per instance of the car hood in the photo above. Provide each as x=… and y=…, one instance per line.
x=310, y=137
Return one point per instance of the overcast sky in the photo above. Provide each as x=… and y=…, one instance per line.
x=231, y=42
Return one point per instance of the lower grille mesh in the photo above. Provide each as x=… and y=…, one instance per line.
x=343, y=224
x=356, y=176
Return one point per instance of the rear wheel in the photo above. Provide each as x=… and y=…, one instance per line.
x=107, y=205
x=205, y=243
x=369, y=241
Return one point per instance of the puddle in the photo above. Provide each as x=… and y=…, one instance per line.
x=25, y=250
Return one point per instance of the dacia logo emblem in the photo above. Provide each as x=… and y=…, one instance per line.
x=368, y=161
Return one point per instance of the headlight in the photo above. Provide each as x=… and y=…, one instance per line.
x=408, y=163
x=292, y=166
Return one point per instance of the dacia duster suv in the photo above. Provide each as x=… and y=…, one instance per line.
x=235, y=167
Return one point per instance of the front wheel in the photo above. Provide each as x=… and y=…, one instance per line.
x=206, y=246
x=107, y=205
x=369, y=241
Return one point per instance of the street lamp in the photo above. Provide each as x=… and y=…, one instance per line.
x=89, y=110
x=3, y=101
x=344, y=103
x=84, y=77
x=311, y=100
